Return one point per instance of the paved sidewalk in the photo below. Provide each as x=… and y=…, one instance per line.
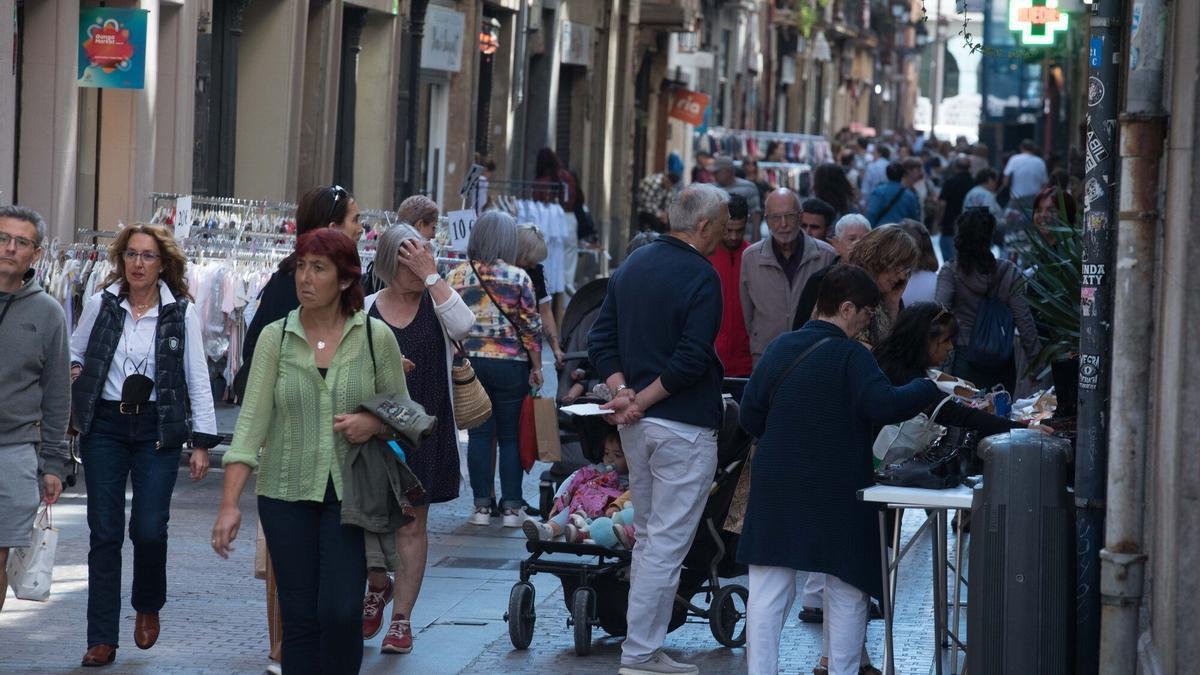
x=215, y=622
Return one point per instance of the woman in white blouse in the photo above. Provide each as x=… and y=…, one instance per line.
x=140, y=393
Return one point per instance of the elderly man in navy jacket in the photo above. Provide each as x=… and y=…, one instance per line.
x=653, y=344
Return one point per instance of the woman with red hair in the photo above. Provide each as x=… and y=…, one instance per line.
x=311, y=371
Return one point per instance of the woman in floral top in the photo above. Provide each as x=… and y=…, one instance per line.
x=505, y=349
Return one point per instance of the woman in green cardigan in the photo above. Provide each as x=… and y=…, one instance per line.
x=310, y=372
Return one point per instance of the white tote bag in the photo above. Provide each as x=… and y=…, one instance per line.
x=898, y=442
x=30, y=569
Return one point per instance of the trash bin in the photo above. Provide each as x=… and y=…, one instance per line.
x=1020, y=594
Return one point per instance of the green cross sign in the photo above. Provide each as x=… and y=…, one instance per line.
x=1037, y=20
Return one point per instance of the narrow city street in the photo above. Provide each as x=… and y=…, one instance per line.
x=215, y=617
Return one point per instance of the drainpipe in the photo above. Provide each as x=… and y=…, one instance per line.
x=1143, y=126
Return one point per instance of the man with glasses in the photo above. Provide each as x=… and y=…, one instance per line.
x=35, y=384
x=775, y=270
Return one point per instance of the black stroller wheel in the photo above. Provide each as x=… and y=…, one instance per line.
x=583, y=608
x=520, y=615
x=727, y=615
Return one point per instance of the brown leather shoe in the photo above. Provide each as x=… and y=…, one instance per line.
x=145, y=631
x=99, y=655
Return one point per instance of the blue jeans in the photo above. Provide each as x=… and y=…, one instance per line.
x=120, y=447
x=321, y=571
x=507, y=384
x=946, y=243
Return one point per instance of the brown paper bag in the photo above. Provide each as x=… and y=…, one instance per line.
x=741, y=496
x=545, y=415
x=260, y=554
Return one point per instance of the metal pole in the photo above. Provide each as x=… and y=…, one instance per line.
x=1095, y=325
x=416, y=30
x=1143, y=126
x=939, y=71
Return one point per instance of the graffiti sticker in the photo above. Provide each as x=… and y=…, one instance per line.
x=1097, y=221
x=1087, y=301
x=1096, y=152
x=1095, y=91
x=1092, y=191
x=1089, y=372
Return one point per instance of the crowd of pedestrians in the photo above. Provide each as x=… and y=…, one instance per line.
x=838, y=306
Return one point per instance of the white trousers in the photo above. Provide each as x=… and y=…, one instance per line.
x=814, y=591
x=669, y=476
x=772, y=594
x=571, y=253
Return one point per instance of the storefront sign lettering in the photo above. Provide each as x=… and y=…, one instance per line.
x=442, y=46
x=689, y=106
x=112, y=48
x=576, y=46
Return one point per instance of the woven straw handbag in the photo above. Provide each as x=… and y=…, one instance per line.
x=472, y=406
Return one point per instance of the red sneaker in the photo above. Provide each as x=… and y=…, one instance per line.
x=399, y=639
x=374, y=603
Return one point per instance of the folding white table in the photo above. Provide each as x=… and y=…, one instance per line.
x=940, y=502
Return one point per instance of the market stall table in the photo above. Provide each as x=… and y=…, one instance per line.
x=939, y=503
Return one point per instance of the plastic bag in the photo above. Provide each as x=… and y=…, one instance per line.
x=30, y=570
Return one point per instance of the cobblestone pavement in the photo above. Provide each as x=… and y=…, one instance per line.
x=214, y=620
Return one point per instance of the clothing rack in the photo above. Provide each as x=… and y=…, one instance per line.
x=800, y=149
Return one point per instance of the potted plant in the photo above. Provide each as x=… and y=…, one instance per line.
x=1052, y=254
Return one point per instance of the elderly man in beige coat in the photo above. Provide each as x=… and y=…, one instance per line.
x=775, y=270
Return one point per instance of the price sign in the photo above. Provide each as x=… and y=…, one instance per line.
x=461, y=224
x=183, y=218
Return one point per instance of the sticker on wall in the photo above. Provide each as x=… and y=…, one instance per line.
x=1089, y=372
x=1087, y=301
x=1092, y=191
x=1097, y=221
x=112, y=48
x=1095, y=91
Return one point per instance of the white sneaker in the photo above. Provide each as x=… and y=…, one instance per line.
x=514, y=517
x=275, y=669
x=535, y=531
x=658, y=664
x=482, y=516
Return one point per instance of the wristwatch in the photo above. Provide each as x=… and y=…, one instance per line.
x=431, y=279
x=624, y=387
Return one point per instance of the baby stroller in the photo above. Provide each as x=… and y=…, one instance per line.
x=576, y=322
x=596, y=590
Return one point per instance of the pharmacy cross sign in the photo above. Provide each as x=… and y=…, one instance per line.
x=1037, y=20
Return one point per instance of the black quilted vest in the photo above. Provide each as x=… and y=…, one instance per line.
x=174, y=422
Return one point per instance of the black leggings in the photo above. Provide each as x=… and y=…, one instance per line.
x=321, y=570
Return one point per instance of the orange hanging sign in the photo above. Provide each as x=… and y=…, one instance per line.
x=689, y=106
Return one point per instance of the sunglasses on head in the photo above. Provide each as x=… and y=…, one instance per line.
x=339, y=193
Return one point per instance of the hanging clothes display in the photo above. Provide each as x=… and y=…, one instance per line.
x=537, y=202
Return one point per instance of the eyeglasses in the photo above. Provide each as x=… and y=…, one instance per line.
x=22, y=243
x=779, y=217
x=339, y=193
x=148, y=257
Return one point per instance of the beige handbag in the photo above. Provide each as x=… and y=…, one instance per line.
x=472, y=406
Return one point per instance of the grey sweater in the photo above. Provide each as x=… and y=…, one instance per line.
x=963, y=293
x=35, y=375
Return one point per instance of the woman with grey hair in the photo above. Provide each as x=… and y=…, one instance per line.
x=427, y=316
x=504, y=346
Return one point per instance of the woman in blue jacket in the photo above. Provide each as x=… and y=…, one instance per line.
x=812, y=402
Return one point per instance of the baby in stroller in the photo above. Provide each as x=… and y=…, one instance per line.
x=593, y=504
